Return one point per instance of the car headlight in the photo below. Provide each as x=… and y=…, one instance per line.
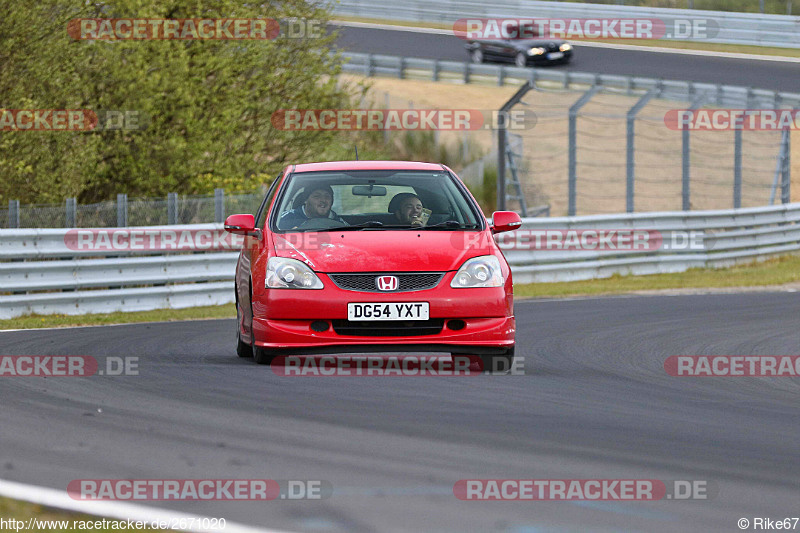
x=483, y=271
x=565, y=47
x=284, y=273
x=536, y=51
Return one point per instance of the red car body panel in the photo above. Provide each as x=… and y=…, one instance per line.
x=281, y=318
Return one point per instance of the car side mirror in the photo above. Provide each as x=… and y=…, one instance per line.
x=505, y=221
x=242, y=225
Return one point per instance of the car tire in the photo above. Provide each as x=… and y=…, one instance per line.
x=521, y=60
x=476, y=55
x=242, y=348
x=262, y=356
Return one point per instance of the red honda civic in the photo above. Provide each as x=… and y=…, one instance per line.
x=373, y=256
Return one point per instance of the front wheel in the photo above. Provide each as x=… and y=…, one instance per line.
x=521, y=60
x=242, y=348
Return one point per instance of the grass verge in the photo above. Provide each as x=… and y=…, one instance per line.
x=679, y=45
x=158, y=315
x=769, y=273
x=61, y=521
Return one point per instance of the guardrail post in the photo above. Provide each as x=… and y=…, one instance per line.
x=573, y=153
x=369, y=66
x=71, y=209
x=402, y=68
x=787, y=170
x=737, y=168
x=436, y=70
x=388, y=105
x=219, y=205
x=686, y=200
x=630, y=152
x=122, y=210
x=172, y=208
x=501, y=76
x=782, y=170
x=501, y=144
x=466, y=72
x=13, y=214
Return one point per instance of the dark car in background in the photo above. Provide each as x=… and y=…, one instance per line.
x=521, y=52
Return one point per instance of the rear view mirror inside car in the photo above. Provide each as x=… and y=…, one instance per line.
x=369, y=190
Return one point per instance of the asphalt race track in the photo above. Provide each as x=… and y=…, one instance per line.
x=595, y=403
x=773, y=75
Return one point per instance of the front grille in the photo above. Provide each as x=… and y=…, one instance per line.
x=389, y=328
x=407, y=282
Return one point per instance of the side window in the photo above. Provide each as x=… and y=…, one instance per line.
x=262, y=211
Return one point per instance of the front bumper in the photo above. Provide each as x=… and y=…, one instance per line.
x=480, y=336
x=543, y=59
x=476, y=321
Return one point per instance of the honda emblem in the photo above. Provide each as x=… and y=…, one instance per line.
x=387, y=283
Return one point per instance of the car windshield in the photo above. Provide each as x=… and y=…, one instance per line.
x=374, y=200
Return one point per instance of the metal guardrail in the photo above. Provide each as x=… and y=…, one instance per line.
x=465, y=72
x=41, y=273
x=54, y=279
x=727, y=237
x=733, y=28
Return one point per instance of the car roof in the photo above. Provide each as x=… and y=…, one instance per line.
x=368, y=165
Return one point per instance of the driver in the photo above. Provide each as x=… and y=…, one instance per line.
x=317, y=204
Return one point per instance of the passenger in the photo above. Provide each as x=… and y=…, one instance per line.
x=407, y=208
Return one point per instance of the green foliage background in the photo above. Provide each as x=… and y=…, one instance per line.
x=207, y=103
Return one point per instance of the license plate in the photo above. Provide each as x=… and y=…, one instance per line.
x=555, y=55
x=388, y=311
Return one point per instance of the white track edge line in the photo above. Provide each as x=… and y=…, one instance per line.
x=112, y=509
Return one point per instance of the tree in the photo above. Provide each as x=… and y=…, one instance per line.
x=203, y=106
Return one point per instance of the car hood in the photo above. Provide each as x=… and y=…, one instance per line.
x=383, y=250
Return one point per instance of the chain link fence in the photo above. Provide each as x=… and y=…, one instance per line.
x=595, y=155
x=174, y=209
